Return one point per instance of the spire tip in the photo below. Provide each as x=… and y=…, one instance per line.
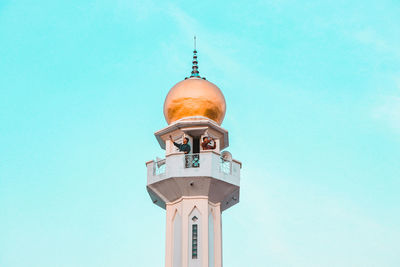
x=195, y=68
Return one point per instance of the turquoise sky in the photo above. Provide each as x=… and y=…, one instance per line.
x=313, y=97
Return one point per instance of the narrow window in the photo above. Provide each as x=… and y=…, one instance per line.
x=194, y=241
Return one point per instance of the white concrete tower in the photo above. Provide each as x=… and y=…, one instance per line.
x=196, y=187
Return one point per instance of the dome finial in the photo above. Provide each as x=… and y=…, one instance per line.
x=195, y=67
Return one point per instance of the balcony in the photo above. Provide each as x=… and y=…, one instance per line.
x=204, y=164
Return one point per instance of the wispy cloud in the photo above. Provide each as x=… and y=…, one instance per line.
x=215, y=48
x=373, y=39
x=389, y=111
x=277, y=207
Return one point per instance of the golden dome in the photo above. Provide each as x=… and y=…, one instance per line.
x=194, y=97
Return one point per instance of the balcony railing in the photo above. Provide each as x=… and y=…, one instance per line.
x=226, y=166
x=204, y=164
x=159, y=167
x=192, y=160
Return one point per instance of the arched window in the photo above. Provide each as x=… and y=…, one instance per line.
x=194, y=237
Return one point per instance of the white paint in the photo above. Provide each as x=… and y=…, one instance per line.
x=177, y=245
x=211, y=240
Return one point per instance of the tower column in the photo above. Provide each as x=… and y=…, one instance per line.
x=193, y=233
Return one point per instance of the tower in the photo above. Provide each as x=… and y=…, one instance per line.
x=194, y=185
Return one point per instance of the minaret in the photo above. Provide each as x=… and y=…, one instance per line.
x=195, y=187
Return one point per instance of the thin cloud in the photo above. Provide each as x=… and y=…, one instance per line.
x=371, y=38
x=389, y=111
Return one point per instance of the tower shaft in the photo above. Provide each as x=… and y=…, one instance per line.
x=193, y=233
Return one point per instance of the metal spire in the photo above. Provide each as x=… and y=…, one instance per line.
x=195, y=67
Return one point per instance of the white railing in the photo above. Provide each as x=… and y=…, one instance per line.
x=225, y=166
x=204, y=164
x=159, y=167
